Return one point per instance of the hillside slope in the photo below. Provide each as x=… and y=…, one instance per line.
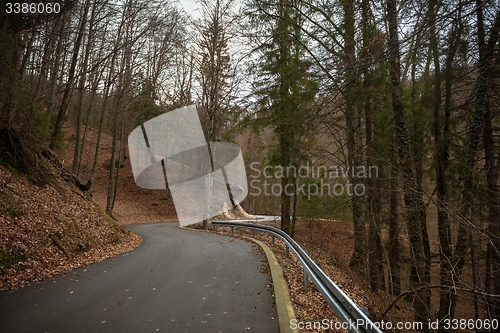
x=51, y=227
x=45, y=231
x=133, y=204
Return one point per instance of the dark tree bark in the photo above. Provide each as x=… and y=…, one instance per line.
x=353, y=126
x=55, y=68
x=441, y=130
x=474, y=131
x=107, y=87
x=71, y=78
x=81, y=93
x=372, y=195
x=415, y=209
x=394, y=247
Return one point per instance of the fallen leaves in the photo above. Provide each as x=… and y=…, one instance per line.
x=47, y=231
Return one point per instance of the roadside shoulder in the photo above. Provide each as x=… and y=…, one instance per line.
x=284, y=307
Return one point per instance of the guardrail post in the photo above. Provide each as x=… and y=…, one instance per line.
x=287, y=252
x=232, y=230
x=306, y=276
x=273, y=238
x=253, y=233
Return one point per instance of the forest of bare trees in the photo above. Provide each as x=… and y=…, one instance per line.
x=406, y=87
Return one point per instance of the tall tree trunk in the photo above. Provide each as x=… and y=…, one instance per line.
x=81, y=94
x=27, y=52
x=286, y=199
x=116, y=127
x=95, y=84
x=474, y=130
x=107, y=85
x=372, y=198
x=294, y=210
x=48, y=52
x=71, y=77
x=394, y=248
x=353, y=124
x=285, y=135
x=415, y=209
x=442, y=142
x=110, y=199
x=490, y=158
x=55, y=70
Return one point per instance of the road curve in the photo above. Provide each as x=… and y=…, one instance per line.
x=176, y=281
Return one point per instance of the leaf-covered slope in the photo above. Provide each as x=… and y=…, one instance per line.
x=47, y=230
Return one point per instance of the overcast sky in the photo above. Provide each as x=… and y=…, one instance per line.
x=190, y=6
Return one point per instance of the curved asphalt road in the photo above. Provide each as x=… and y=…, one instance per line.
x=176, y=281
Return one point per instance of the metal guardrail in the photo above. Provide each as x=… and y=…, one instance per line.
x=353, y=318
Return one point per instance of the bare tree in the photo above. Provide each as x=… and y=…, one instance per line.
x=215, y=71
x=71, y=76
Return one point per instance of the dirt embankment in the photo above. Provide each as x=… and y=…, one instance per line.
x=47, y=230
x=51, y=227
